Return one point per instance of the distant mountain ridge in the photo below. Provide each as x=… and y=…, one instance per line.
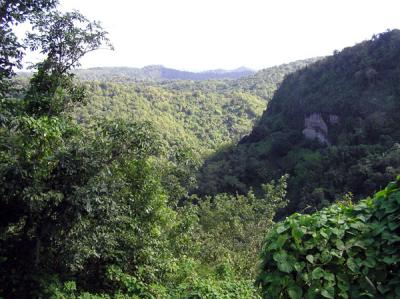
x=202, y=114
x=157, y=73
x=242, y=77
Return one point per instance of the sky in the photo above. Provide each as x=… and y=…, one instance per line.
x=212, y=34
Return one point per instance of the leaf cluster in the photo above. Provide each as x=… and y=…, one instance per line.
x=344, y=251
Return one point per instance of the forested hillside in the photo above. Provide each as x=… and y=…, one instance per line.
x=333, y=126
x=158, y=73
x=101, y=196
x=265, y=82
x=95, y=176
x=200, y=115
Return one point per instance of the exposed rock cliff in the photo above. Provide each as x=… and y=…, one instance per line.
x=316, y=128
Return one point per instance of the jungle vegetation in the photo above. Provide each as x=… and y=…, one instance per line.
x=121, y=186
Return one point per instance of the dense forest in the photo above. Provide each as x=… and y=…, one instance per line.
x=201, y=115
x=333, y=126
x=159, y=183
x=157, y=73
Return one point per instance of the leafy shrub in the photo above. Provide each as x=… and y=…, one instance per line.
x=54, y=289
x=208, y=285
x=232, y=227
x=344, y=251
x=218, y=289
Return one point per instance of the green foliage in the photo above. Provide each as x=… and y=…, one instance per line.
x=187, y=114
x=344, y=251
x=192, y=287
x=156, y=73
x=12, y=13
x=216, y=289
x=355, y=94
x=95, y=199
x=58, y=182
x=232, y=227
x=266, y=81
x=51, y=93
x=93, y=211
x=65, y=38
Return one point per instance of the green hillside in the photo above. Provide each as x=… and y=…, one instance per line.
x=201, y=115
x=156, y=73
x=98, y=191
x=347, y=105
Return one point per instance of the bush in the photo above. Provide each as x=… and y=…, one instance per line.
x=344, y=251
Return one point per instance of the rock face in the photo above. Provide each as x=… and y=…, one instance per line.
x=316, y=128
x=333, y=119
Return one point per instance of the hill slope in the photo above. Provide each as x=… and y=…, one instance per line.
x=158, y=73
x=334, y=126
x=189, y=114
x=203, y=115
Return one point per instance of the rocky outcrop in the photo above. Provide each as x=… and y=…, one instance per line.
x=316, y=128
x=333, y=119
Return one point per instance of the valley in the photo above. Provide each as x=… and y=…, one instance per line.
x=120, y=182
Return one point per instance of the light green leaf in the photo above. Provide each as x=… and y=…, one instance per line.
x=310, y=258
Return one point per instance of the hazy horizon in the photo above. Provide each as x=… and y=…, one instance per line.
x=209, y=35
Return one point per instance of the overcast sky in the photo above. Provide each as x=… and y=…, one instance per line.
x=210, y=34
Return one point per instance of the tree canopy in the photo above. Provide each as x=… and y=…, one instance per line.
x=101, y=194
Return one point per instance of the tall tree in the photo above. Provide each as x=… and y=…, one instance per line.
x=42, y=152
x=12, y=13
x=64, y=39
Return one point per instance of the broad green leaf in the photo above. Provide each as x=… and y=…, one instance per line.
x=281, y=228
x=295, y=292
x=352, y=265
x=328, y=292
x=340, y=245
x=318, y=273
